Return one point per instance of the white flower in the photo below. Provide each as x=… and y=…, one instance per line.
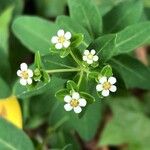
x=74, y=102
x=25, y=74
x=62, y=40
x=105, y=85
x=90, y=56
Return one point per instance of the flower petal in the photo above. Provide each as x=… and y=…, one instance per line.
x=67, y=98
x=103, y=79
x=60, y=32
x=23, y=81
x=30, y=73
x=99, y=87
x=105, y=93
x=112, y=80
x=77, y=109
x=29, y=81
x=86, y=52
x=95, y=58
x=75, y=95
x=93, y=52
x=113, y=88
x=54, y=39
x=68, y=107
x=82, y=102
x=23, y=67
x=58, y=46
x=84, y=58
x=67, y=35
x=66, y=44
x=89, y=61
x=19, y=73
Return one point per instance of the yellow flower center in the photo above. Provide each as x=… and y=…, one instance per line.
x=106, y=86
x=74, y=103
x=24, y=74
x=61, y=39
x=90, y=56
x=3, y=111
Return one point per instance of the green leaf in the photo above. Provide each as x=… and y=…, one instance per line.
x=105, y=46
x=64, y=52
x=34, y=32
x=123, y=15
x=50, y=63
x=5, y=90
x=23, y=92
x=91, y=118
x=71, y=86
x=127, y=117
x=71, y=25
x=106, y=71
x=132, y=37
x=15, y=140
x=125, y=41
x=61, y=94
x=86, y=13
x=134, y=73
x=5, y=19
x=77, y=40
x=89, y=98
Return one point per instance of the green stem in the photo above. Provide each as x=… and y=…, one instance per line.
x=63, y=70
x=85, y=44
x=75, y=59
x=80, y=78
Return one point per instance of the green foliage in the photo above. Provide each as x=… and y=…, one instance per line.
x=128, y=123
x=124, y=41
x=15, y=140
x=85, y=16
x=123, y=15
x=34, y=32
x=114, y=29
x=131, y=71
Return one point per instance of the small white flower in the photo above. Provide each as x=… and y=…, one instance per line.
x=75, y=102
x=105, y=85
x=25, y=74
x=62, y=40
x=90, y=56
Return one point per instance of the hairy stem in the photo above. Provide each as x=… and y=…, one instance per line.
x=63, y=70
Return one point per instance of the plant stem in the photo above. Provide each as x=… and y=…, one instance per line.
x=75, y=59
x=85, y=44
x=63, y=70
x=80, y=78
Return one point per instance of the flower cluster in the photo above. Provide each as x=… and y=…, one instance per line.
x=73, y=101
